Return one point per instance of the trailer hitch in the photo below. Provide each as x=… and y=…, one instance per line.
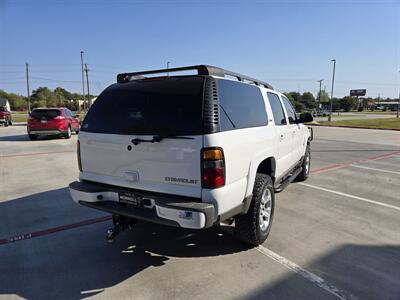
x=120, y=224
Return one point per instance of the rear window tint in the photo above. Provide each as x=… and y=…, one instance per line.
x=241, y=105
x=46, y=114
x=171, y=106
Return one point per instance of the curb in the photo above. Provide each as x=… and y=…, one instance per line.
x=357, y=127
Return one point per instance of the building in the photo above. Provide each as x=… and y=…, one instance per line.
x=5, y=103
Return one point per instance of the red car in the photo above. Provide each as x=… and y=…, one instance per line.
x=52, y=121
x=5, y=116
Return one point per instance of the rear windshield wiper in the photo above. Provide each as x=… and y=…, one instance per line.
x=159, y=138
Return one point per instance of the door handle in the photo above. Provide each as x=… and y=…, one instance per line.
x=281, y=137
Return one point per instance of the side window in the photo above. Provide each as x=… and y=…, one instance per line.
x=289, y=109
x=241, y=105
x=277, y=109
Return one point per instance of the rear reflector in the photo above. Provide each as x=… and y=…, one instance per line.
x=213, y=168
x=78, y=152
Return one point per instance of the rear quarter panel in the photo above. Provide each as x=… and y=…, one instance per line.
x=243, y=149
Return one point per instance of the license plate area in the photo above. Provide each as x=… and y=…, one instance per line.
x=130, y=199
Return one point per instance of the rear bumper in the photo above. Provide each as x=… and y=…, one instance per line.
x=164, y=209
x=45, y=131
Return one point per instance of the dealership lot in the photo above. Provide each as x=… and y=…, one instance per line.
x=335, y=236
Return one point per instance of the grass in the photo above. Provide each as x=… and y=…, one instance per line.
x=19, y=117
x=375, y=112
x=389, y=123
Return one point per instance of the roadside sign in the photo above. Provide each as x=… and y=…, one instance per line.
x=361, y=92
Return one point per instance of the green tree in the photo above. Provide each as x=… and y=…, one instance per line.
x=347, y=103
x=324, y=97
x=308, y=100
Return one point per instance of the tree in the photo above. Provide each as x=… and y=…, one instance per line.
x=335, y=104
x=324, y=97
x=347, y=103
x=308, y=100
x=17, y=102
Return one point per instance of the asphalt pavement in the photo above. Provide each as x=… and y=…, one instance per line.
x=335, y=236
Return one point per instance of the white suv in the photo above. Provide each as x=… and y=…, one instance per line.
x=190, y=151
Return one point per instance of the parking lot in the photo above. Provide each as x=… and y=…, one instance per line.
x=335, y=236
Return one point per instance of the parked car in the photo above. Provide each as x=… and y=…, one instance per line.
x=323, y=113
x=5, y=116
x=52, y=121
x=190, y=151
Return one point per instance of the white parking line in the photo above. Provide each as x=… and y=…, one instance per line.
x=351, y=196
x=375, y=169
x=304, y=273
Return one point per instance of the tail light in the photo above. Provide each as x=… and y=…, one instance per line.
x=78, y=153
x=213, y=168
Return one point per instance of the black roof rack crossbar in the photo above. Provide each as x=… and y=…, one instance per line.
x=201, y=70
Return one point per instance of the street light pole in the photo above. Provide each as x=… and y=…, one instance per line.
x=83, y=85
x=333, y=82
x=319, y=96
x=398, y=104
x=87, y=85
x=27, y=86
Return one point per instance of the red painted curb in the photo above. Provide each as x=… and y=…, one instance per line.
x=35, y=153
x=343, y=165
x=27, y=236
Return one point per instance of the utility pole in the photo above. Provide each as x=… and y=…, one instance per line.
x=398, y=104
x=27, y=86
x=87, y=84
x=319, y=96
x=83, y=85
x=333, y=82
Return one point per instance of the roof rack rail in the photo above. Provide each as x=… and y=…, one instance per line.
x=201, y=70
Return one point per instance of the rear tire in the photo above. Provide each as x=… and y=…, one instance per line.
x=68, y=134
x=32, y=137
x=253, y=228
x=10, y=122
x=305, y=165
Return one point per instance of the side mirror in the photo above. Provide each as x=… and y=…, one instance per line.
x=305, y=118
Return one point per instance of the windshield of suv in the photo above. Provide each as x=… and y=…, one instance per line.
x=46, y=114
x=168, y=106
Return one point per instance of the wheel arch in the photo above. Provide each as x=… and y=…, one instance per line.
x=266, y=166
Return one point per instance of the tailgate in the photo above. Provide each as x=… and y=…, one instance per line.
x=169, y=166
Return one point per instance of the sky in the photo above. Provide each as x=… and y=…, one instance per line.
x=289, y=44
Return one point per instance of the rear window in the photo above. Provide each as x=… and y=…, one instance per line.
x=171, y=106
x=46, y=114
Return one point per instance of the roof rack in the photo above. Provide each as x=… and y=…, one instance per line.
x=201, y=70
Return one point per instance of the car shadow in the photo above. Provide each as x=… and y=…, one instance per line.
x=78, y=262
x=25, y=138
